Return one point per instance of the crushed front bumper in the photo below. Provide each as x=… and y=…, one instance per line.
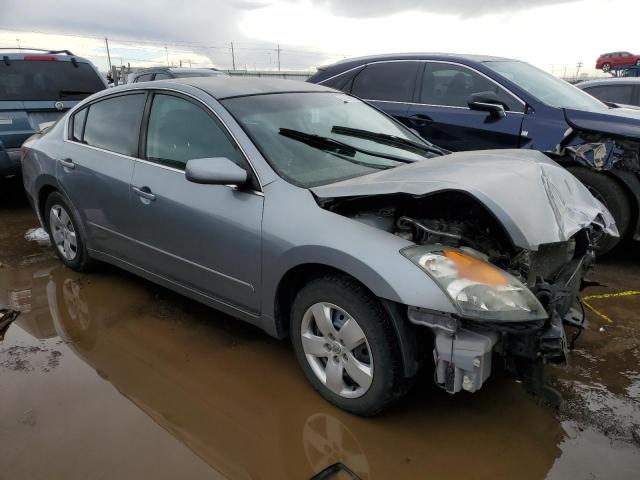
x=464, y=349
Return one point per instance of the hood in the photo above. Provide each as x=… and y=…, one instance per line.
x=624, y=122
x=535, y=199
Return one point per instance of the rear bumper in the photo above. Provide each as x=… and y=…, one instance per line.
x=10, y=162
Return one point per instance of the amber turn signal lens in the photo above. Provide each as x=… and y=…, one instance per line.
x=474, y=269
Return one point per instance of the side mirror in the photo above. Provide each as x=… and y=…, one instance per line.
x=215, y=171
x=487, y=102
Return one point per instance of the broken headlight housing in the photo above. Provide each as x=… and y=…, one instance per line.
x=478, y=289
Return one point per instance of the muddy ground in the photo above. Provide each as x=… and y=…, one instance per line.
x=105, y=375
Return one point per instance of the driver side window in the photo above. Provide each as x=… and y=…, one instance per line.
x=451, y=85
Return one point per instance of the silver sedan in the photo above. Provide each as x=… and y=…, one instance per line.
x=313, y=215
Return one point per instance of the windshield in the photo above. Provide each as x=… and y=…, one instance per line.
x=25, y=80
x=545, y=87
x=317, y=138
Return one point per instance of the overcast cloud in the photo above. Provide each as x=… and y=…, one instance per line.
x=460, y=8
x=553, y=34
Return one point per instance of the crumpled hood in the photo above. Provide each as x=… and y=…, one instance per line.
x=624, y=122
x=536, y=200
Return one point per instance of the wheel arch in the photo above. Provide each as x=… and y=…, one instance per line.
x=299, y=275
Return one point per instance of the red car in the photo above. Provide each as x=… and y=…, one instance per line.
x=606, y=61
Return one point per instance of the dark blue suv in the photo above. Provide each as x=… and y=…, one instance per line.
x=467, y=102
x=36, y=87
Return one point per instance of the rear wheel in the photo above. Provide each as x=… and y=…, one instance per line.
x=66, y=233
x=606, y=67
x=638, y=63
x=346, y=345
x=612, y=195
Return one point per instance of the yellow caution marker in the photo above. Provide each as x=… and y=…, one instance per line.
x=585, y=301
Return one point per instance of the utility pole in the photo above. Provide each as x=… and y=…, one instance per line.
x=106, y=42
x=166, y=51
x=233, y=57
x=278, y=57
x=19, y=47
x=578, y=67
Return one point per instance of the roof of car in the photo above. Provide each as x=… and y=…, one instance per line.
x=62, y=55
x=174, y=69
x=609, y=81
x=417, y=56
x=223, y=86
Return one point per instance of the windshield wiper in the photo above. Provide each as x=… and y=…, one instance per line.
x=386, y=139
x=330, y=144
x=74, y=92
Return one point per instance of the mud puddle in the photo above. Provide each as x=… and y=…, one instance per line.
x=105, y=375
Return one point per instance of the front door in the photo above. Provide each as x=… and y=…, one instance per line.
x=442, y=116
x=204, y=237
x=95, y=169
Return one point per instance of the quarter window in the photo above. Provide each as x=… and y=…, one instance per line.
x=78, y=124
x=162, y=76
x=451, y=85
x=114, y=124
x=180, y=131
x=391, y=81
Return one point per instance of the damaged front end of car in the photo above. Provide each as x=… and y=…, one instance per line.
x=511, y=264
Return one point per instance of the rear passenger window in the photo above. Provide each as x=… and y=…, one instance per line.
x=114, y=124
x=144, y=78
x=162, y=76
x=450, y=85
x=612, y=93
x=78, y=125
x=392, y=81
x=179, y=131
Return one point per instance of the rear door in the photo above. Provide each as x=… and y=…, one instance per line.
x=204, y=237
x=96, y=166
x=40, y=88
x=442, y=116
x=390, y=86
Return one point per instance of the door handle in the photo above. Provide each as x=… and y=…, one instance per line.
x=144, y=192
x=67, y=163
x=420, y=119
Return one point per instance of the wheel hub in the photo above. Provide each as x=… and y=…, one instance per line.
x=337, y=350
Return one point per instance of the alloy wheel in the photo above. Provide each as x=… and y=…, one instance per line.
x=62, y=232
x=337, y=350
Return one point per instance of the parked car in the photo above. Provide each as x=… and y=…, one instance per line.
x=310, y=214
x=624, y=92
x=467, y=102
x=607, y=61
x=37, y=87
x=164, y=73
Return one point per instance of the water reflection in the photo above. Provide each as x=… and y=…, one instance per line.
x=237, y=399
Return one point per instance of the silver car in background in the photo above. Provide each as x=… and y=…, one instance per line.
x=311, y=214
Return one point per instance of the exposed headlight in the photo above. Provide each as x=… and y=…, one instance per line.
x=477, y=288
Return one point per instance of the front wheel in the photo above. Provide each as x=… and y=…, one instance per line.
x=611, y=194
x=606, y=67
x=638, y=63
x=346, y=345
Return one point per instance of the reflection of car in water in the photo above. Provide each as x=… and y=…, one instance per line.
x=213, y=387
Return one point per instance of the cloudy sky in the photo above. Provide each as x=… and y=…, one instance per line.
x=552, y=34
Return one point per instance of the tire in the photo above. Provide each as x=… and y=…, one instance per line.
x=638, y=63
x=65, y=229
x=612, y=195
x=606, y=67
x=349, y=312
